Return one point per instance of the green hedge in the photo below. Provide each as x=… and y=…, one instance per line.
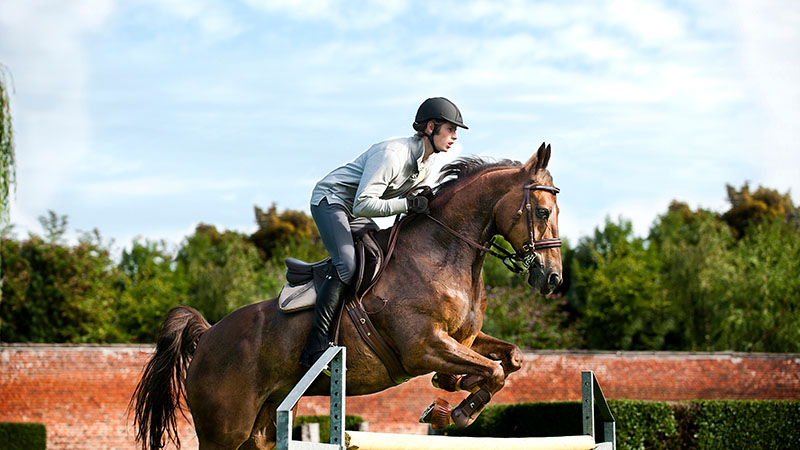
x=350, y=422
x=22, y=436
x=702, y=425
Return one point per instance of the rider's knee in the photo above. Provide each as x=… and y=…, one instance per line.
x=346, y=267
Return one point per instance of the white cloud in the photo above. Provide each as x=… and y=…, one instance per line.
x=771, y=58
x=41, y=43
x=343, y=14
x=213, y=17
x=154, y=186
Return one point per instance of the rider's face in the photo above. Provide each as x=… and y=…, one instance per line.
x=446, y=137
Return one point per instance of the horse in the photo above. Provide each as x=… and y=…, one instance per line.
x=428, y=304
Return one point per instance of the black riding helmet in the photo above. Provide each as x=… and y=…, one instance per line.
x=439, y=108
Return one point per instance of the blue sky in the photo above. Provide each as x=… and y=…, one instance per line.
x=145, y=118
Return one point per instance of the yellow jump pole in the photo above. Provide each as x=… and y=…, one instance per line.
x=362, y=440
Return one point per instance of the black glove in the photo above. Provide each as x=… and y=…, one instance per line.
x=417, y=204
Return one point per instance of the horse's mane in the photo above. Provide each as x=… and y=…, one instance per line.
x=465, y=167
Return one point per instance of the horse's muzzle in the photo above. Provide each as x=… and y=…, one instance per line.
x=546, y=284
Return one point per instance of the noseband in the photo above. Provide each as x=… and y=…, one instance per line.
x=521, y=260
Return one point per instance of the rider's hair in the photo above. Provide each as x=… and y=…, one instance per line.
x=420, y=127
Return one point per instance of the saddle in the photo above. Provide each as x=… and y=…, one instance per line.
x=303, y=280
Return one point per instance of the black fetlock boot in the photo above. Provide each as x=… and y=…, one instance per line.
x=329, y=299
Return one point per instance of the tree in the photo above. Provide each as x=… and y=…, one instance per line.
x=8, y=168
x=149, y=287
x=222, y=271
x=8, y=172
x=694, y=248
x=57, y=293
x=277, y=232
x=616, y=278
x=754, y=207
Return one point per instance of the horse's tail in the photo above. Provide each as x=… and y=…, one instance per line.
x=160, y=390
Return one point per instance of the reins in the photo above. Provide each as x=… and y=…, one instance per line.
x=521, y=260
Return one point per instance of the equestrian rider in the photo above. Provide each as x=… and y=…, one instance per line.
x=375, y=184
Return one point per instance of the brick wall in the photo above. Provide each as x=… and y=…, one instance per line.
x=81, y=393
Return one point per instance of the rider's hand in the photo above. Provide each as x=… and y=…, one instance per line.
x=417, y=204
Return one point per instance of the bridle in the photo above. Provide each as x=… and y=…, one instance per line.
x=522, y=259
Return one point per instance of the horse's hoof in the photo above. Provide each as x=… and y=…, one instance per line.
x=445, y=381
x=437, y=414
x=469, y=409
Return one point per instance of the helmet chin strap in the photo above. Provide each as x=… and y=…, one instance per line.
x=430, y=138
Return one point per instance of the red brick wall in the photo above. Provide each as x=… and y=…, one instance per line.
x=81, y=393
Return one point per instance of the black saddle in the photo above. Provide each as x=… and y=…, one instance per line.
x=369, y=256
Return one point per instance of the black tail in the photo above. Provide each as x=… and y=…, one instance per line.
x=160, y=390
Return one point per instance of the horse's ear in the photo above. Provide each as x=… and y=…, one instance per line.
x=544, y=157
x=533, y=164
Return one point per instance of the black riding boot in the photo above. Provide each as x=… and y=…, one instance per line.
x=329, y=300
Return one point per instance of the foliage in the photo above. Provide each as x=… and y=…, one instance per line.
x=694, y=247
x=749, y=208
x=644, y=425
x=746, y=424
x=8, y=166
x=761, y=305
x=518, y=315
x=23, y=436
x=57, y=293
x=696, y=282
x=351, y=422
x=531, y=419
x=712, y=424
x=279, y=231
x=149, y=288
x=617, y=288
x=222, y=271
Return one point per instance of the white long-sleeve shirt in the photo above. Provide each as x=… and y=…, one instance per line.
x=371, y=184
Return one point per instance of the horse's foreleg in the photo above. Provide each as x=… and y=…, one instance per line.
x=446, y=355
x=509, y=355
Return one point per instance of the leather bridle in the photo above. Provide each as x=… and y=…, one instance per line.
x=522, y=259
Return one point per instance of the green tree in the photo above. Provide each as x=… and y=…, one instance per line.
x=519, y=315
x=290, y=229
x=222, y=271
x=8, y=170
x=762, y=301
x=754, y=207
x=617, y=279
x=57, y=293
x=8, y=167
x=149, y=287
x=694, y=248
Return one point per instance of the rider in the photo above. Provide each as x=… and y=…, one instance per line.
x=371, y=186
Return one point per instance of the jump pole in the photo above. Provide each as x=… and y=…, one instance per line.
x=594, y=408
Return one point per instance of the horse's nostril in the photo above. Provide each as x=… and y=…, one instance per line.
x=554, y=280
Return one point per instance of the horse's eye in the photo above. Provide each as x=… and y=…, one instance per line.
x=543, y=213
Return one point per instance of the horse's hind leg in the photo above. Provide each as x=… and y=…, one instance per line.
x=264, y=432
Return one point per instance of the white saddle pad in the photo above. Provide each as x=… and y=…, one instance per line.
x=297, y=298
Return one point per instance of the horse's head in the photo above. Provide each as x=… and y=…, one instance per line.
x=527, y=216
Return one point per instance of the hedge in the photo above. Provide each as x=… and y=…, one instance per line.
x=701, y=424
x=22, y=436
x=324, y=421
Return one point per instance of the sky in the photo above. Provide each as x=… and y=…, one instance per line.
x=144, y=118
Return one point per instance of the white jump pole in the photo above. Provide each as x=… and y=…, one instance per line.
x=594, y=407
x=363, y=440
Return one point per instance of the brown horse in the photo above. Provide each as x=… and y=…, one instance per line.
x=428, y=305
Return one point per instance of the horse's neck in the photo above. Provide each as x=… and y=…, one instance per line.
x=470, y=212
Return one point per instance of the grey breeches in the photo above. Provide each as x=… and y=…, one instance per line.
x=333, y=223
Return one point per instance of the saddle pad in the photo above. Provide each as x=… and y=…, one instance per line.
x=297, y=298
